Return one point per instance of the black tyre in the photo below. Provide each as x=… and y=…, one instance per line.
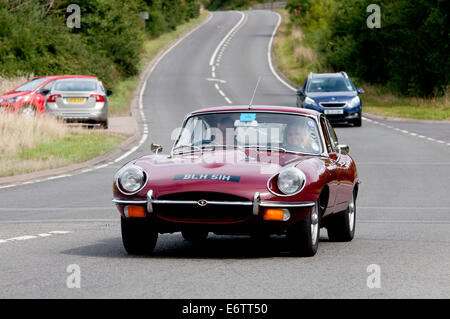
x=28, y=110
x=104, y=124
x=304, y=237
x=139, y=237
x=357, y=122
x=194, y=235
x=342, y=226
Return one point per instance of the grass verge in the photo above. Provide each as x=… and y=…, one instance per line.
x=295, y=59
x=44, y=143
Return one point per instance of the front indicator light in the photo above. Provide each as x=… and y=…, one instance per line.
x=134, y=211
x=277, y=214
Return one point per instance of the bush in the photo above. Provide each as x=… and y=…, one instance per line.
x=409, y=53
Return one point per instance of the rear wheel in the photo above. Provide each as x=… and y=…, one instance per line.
x=28, y=110
x=139, y=237
x=104, y=124
x=342, y=226
x=194, y=235
x=303, y=237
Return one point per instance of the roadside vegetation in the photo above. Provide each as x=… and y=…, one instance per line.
x=113, y=44
x=403, y=66
x=29, y=144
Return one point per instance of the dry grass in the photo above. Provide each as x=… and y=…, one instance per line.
x=7, y=84
x=18, y=133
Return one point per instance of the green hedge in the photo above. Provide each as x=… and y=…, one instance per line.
x=34, y=37
x=409, y=53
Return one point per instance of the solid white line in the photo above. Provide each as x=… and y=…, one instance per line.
x=221, y=93
x=213, y=57
x=269, y=55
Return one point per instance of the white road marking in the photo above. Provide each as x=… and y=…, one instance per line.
x=228, y=100
x=41, y=235
x=213, y=57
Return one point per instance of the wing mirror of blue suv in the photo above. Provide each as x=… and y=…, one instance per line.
x=300, y=92
x=360, y=91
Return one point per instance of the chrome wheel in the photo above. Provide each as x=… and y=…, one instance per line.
x=351, y=214
x=315, y=224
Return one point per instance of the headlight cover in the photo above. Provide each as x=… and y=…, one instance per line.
x=309, y=100
x=15, y=99
x=291, y=181
x=354, y=102
x=131, y=179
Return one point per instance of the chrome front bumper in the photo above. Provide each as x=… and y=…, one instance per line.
x=256, y=203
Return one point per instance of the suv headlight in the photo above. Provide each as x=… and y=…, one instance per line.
x=309, y=100
x=131, y=180
x=291, y=181
x=355, y=101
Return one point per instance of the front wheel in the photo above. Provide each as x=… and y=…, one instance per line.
x=28, y=110
x=357, y=122
x=342, y=226
x=304, y=237
x=139, y=237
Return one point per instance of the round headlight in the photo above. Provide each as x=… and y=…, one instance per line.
x=291, y=180
x=131, y=179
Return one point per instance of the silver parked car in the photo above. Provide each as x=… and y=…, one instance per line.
x=81, y=99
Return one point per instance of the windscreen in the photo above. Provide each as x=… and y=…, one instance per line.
x=76, y=85
x=272, y=131
x=31, y=85
x=332, y=84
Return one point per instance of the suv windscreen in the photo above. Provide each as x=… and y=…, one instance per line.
x=332, y=84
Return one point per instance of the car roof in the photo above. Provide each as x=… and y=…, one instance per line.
x=328, y=75
x=267, y=108
x=65, y=76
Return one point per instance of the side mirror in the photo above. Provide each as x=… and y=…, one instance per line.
x=109, y=92
x=156, y=148
x=360, y=91
x=345, y=149
x=300, y=92
x=43, y=91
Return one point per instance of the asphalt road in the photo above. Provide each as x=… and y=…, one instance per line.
x=403, y=221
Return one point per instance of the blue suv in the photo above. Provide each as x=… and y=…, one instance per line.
x=332, y=94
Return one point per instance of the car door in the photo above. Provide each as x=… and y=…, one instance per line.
x=331, y=167
x=342, y=167
x=40, y=96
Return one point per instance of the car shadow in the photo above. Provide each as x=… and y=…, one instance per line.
x=174, y=246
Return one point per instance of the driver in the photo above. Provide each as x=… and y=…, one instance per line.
x=296, y=138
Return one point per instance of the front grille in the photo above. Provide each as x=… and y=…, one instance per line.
x=206, y=213
x=332, y=104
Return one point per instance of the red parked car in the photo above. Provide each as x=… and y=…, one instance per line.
x=256, y=170
x=29, y=98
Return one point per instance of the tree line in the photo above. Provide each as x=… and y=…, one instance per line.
x=35, y=37
x=409, y=51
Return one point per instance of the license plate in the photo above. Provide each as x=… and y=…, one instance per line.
x=334, y=111
x=76, y=100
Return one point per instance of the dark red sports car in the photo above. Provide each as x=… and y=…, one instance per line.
x=255, y=170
